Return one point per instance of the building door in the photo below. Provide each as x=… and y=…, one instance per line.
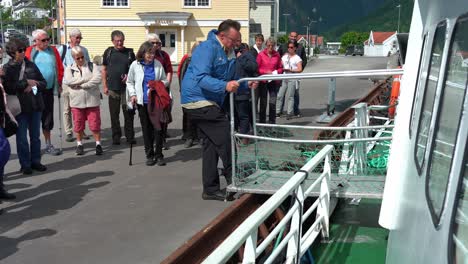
x=168, y=40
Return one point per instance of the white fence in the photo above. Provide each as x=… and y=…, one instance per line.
x=297, y=241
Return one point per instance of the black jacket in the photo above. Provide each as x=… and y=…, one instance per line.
x=246, y=66
x=300, y=51
x=28, y=101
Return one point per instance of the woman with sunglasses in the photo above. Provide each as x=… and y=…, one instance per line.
x=292, y=63
x=23, y=79
x=82, y=80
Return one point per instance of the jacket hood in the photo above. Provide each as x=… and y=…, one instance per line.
x=212, y=35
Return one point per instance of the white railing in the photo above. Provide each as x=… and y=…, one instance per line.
x=297, y=244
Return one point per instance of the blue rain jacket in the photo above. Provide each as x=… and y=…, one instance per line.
x=208, y=73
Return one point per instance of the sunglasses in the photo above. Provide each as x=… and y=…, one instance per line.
x=21, y=50
x=79, y=37
x=79, y=58
x=156, y=43
x=292, y=47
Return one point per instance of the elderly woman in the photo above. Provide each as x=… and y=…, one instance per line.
x=269, y=62
x=23, y=79
x=81, y=81
x=142, y=71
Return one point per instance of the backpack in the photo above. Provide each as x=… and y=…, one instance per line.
x=109, y=53
x=64, y=52
x=158, y=95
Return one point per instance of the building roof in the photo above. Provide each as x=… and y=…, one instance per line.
x=380, y=37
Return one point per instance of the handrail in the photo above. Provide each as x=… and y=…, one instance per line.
x=312, y=141
x=320, y=75
x=247, y=231
x=325, y=127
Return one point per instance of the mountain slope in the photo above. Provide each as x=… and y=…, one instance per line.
x=383, y=19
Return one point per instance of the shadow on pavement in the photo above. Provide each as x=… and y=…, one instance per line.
x=57, y=195
x=10, y=245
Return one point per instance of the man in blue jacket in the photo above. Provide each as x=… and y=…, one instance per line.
x=204, y=87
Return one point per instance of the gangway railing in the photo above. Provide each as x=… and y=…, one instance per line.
x=274, y=165
x=295, y=241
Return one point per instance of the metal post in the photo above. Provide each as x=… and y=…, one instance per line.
x=1, y=26
x=330, y=114
x=399, y=9
x=233, y=145
x=59, y=32
x=360, y=148
x=254, y=125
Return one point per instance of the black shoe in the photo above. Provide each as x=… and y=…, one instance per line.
x=4, y=195
x=289, y=117
x=115, y=142
x=79, y=150
x=228, y=180
x=26, y=171
x=188, y=143
x=131, y=141
x=167, y=135
x=38, y=167
x=160, y=162
x=99, y=150
x=70, y=138
x=84, y=136
x=150, y=162
x=1, y=211
x=218, y=196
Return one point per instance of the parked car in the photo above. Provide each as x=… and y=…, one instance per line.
x=333, y=52
x=354, y=50
x=10, y=31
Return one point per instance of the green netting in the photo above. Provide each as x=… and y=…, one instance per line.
x=266, y=158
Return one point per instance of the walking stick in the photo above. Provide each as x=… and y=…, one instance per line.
x=131, y=111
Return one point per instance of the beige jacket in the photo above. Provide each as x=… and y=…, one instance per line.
x=82, y=86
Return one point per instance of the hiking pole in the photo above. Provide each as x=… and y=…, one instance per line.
x=131, y=111
x=60, y=123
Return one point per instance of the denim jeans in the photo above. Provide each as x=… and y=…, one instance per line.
x=4, y=155
x=296, y=100
x=29, y=154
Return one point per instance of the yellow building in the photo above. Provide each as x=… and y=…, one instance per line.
x=179, y=23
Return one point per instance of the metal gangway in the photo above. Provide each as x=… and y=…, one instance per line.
x=278, y=151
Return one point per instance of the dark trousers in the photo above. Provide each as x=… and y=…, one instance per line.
x=4, y=156
x=152, y=137
x=213, y=125
x=268, y=90
x=188, y=127
x=116, y=102
x=296, y=100
x=243, y=115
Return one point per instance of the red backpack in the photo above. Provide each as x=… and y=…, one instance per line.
x=158, y=95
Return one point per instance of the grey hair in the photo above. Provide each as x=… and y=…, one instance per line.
x=76, y=50
x=74, y=32
x=36, y=33
x=152, y=36
x=271, y=40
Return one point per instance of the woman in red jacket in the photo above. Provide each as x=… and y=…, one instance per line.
x=269, y=62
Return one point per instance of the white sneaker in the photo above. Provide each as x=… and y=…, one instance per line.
x=51, y=150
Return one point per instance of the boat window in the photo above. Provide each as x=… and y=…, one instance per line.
x=448, y=119
x=421, y=79
x=429, y=95
x=459, y=245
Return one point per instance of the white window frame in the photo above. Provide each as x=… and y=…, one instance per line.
x=115, y=6
x=196, y=4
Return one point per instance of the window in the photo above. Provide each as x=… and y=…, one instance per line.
x=459, y=247
x=197, y=3
x=429, y=95
x=162, y=37
x=448, y=119
x=173, y=40
x=421, y=79
x=115, y=3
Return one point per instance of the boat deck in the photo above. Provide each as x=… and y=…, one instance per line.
x=268, y=182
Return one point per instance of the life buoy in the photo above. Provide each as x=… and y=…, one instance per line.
x=394, y=96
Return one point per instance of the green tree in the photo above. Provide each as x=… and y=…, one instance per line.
x=283, y=39
x=353, y=38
